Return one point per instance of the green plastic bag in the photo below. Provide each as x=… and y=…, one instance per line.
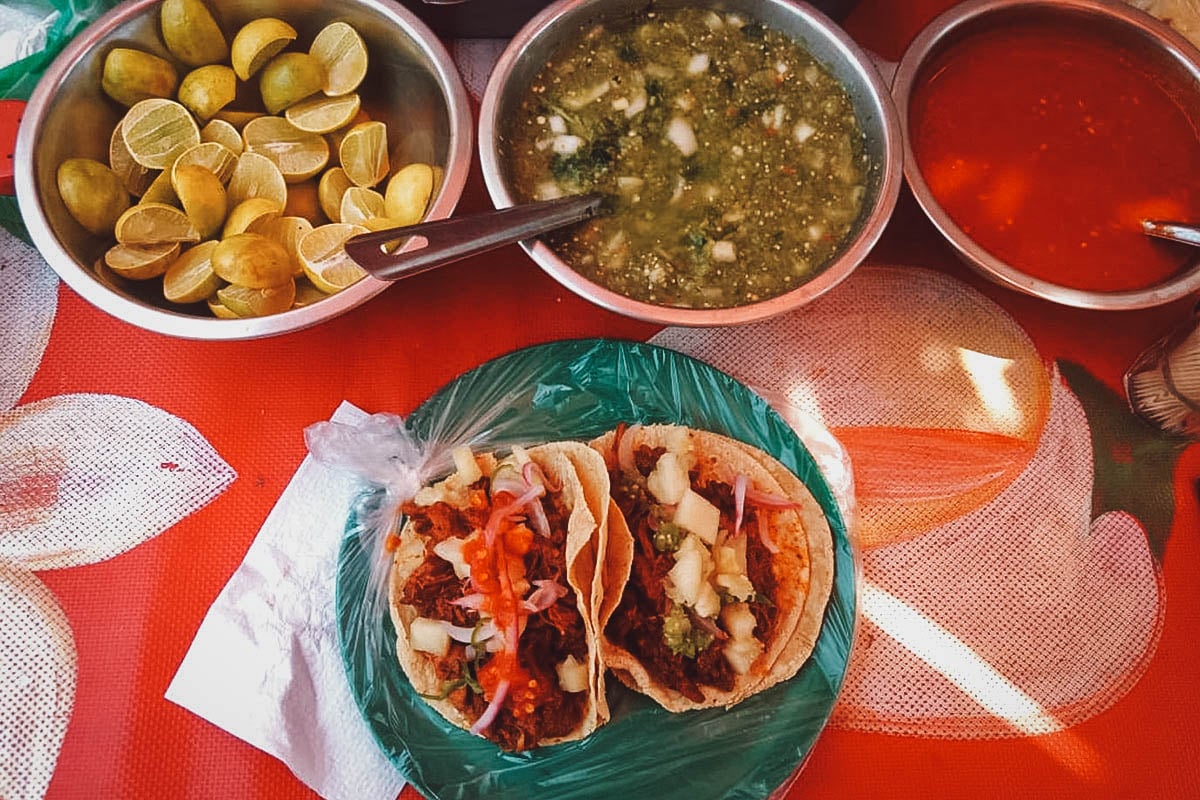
x=59, y=21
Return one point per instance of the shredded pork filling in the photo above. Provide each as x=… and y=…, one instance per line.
x=535, y=713
x=637, y=624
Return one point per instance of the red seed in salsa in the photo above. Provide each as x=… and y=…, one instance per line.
x=1048, y=145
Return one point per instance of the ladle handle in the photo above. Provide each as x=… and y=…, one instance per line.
x=1175, y=231
x=452, y=239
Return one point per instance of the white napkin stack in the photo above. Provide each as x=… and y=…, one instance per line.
x=266, y=664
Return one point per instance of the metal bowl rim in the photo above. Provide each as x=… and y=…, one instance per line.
x=925, y=44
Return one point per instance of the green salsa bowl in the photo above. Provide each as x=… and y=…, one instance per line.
x=516, y=77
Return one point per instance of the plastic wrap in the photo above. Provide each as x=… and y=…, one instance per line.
x=32, y=32
x=577, y=390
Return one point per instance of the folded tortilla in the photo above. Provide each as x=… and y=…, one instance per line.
x=550, y=714
x=651, y=592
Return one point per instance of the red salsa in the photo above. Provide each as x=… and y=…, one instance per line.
x=1048, y=144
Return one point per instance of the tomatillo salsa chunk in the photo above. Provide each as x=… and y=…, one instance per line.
x=735, y=160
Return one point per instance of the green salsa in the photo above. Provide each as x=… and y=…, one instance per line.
x=735, y=160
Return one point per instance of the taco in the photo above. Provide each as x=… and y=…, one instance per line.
x=730, y=566
x=493, y=590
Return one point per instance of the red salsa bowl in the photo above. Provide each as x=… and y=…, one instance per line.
x=1038, y=137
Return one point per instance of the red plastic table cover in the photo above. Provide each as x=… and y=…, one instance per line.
x=134, y=614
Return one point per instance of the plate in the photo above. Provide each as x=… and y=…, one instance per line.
x=578, y=389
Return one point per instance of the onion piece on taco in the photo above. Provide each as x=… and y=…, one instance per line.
x=730, y=567
x=492, y=595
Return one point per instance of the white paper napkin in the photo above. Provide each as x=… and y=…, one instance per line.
x=266, y=665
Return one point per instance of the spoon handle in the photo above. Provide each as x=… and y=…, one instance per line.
x=1175, y=231
x=433, y=244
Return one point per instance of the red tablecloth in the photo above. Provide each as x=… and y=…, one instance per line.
x=134, y=615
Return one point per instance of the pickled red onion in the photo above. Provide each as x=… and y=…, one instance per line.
x=500, y=514
x=531, y=470
x=739, y=502
x=489, y=714
x=546, y=595
x=625, y=448
x=471, y=602
x=769, y=500
x=537, y=516
x=512, y=626
x=767, y=541
x=509, y=481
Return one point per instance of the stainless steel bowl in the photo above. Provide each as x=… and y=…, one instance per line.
x=533, y=45
x=1122, y=24
x=412, y=85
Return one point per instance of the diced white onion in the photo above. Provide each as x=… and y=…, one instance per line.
x=465, y=464
x=548, y=190
x=680, y=134
x=776, y=118
x=588, y=96
x=724, y=251
x=659, y=71
x=557, y=124
x=684, y=579
x=738, y=620
x=736, y=586
x=815, y=232
x=428, y=636
x=680, y=183
x=735, y=21
x=695, y=514
x=566, y=144
x=572, y=675
x=627, y=183
x=620, y=104
x=804, y=131
x=698, y=64
x=451, y=549
x=742, y=653
x=636, y=105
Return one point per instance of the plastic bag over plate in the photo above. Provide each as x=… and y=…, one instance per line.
x=578, y=390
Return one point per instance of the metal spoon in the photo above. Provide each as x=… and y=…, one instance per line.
x=448, y=240
x=1175, y=231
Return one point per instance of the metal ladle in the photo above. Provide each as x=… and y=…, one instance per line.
x=1175, y=231
x=433, y=244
